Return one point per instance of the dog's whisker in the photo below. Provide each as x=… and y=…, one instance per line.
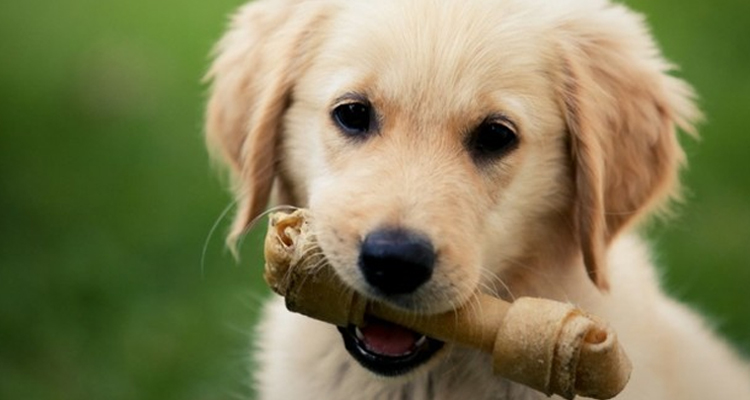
x=319, y=264
x=487, y=282
x=211, y=233
x=280, y=207
x=235, y=243
x=491, y=278
x=475, y=305
x=312, y=251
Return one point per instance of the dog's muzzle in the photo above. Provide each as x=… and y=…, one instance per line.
x=395, y=262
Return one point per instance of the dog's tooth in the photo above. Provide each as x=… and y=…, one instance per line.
x=421, y=341
x=358, y=333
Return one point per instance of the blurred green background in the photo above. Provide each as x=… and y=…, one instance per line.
x=107, y=198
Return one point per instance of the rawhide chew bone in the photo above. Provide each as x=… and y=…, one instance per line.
x=550, y=346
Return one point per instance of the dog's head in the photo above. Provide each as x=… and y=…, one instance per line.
x=442, y=143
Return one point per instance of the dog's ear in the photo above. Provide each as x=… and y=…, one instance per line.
x=622, y=110
x=256, y=64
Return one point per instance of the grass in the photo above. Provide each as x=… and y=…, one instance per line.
x=107, y=198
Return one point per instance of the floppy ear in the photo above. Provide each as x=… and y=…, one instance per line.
x=256, y=64
x=622, y=111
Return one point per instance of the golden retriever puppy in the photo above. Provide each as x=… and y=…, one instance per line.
x=449, y=146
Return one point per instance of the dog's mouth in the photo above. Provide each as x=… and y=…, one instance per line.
x=388, y=349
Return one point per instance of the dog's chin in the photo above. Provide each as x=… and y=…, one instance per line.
x=387, y=349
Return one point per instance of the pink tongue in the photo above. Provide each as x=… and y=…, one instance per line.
x=388, y=339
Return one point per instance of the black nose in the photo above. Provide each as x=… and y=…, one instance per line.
x=396, y=261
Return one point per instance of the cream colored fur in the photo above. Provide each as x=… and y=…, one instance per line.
x=596, y=116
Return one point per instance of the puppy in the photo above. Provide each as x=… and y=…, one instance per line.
x=445, y=147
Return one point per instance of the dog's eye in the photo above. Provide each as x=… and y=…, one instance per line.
x=353, y=118
x=491, y=139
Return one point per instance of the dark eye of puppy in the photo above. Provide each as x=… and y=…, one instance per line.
x=490, y=140
x=353, y=118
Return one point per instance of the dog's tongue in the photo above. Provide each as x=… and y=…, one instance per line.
x=388, y=339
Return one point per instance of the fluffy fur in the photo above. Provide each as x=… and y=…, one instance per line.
x=596, y=115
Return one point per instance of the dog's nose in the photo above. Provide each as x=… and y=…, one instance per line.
x=396, y=261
